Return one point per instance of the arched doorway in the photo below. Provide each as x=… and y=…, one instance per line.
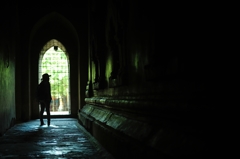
x=54, y=60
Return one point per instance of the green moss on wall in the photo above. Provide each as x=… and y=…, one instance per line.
x=7, y=93
x=108, y=67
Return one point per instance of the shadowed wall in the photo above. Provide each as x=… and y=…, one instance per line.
x=8, y=49
x=139, y=73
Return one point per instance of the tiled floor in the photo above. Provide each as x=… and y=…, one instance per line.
x=63, y=139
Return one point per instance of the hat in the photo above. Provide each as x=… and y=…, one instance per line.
x=45, y=75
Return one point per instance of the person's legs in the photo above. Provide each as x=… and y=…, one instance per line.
x=48, y=113
x=41, y=113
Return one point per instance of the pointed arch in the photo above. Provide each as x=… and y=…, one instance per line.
x=56, y=26
x=54, y=60
x=55, y=19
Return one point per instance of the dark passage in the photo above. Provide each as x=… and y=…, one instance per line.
x=138, y=76
x=64, y=138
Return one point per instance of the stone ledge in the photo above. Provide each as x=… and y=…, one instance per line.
x=150, y=106
x=163, y=136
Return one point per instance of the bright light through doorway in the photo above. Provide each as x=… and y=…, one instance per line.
x=54, y=62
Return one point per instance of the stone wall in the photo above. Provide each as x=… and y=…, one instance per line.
x=8, y=37
x=147, y=91
x=166, y=124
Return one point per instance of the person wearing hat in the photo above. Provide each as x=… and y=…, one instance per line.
x=44, y=97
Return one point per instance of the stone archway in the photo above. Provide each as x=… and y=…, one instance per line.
x=54, y=60
x=56, y=26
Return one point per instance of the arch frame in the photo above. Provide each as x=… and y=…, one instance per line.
x=43, y=31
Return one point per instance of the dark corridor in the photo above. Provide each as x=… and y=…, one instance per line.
x=140, y=75
x=64, y=139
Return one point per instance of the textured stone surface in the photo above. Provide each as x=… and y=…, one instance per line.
x=163, y=135
x=64, y=138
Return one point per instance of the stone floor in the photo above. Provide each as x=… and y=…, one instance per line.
x=63, y=139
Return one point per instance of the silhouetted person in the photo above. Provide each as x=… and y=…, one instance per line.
x=44, y=97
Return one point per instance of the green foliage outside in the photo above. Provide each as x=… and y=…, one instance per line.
x=55, y=63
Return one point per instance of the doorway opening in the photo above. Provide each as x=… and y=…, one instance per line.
x=54, y=61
